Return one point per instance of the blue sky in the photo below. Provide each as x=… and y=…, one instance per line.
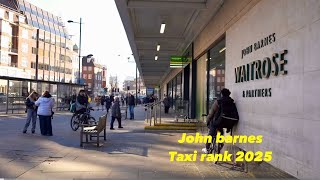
x=103, y=34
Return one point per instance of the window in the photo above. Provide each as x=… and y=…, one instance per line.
x=89, y=76
x=25, y=34
x=89, y=68
x=24, y=48
x=22, y=19
x=24, y=62
x=84, y=68
x=34, y=50
x=216, y=72
x=34, y=35
x=84, y=76
x=1, y=13
x=11, y=16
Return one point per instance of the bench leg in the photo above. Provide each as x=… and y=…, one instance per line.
x=90, y=137
x=81, y=138
x=86, y=137
x=105, y=135
x=98, y=140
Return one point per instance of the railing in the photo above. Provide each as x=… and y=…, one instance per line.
x=153, y=112
x=13, y=50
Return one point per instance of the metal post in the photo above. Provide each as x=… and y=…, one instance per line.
x=7, y=96
x=80, y=53
x=150, y=115
x=136, y=84
x=155, y=114
x=160, y=112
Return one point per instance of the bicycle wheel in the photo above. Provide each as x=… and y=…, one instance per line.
x=92, y=121
x=74, y=122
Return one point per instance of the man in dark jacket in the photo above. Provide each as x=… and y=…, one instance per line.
x=214, y=122
x=81, y=102
x=115, y=113
x=108, y=103
x=131, y=103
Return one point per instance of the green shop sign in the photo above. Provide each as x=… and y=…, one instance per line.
x=179, y=61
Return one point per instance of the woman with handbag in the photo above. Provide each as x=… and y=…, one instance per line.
x=45, y=104
x=31, y=111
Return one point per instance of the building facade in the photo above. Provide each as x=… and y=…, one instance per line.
x=36, y=55
x=34, y=44
x=94, y=76
x=265, y=51
x=132, y=86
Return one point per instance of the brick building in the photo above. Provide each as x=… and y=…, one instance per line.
x=94, y=76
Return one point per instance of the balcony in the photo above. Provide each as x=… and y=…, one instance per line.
x=13, y=51
x=13, y=64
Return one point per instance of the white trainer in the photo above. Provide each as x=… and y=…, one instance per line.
x=204, y=150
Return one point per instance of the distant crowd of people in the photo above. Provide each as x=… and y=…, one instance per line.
x=42, y=106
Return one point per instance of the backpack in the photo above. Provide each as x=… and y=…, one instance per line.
x=227, y=115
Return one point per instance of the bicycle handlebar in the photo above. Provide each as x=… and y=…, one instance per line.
x=204, y=115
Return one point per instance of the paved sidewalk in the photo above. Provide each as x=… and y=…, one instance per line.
x=129, y=153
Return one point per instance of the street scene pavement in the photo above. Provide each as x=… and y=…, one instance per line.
x=129, y=153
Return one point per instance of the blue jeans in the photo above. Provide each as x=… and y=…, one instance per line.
x=45, y=125
x=31, y=115
x=131, y=111
x=112, y=121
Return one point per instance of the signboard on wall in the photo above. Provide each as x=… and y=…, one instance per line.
x=179, y=61
x=268, y=66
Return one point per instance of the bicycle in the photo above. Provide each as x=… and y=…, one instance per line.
x=84, y=118
x=215, y=148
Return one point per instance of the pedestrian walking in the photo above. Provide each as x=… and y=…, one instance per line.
x=102, y=100
x=122, y=101
x=31, y=112
x=112, y=98
x=45, y=104
x=115, y=113
x=166, y=104
x=131, y=103
x=108, y=103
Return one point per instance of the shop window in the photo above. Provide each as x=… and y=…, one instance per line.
x=216, y=72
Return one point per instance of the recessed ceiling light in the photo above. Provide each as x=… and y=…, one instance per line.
x=158, y=47
x=156, y=58
x=162, y=28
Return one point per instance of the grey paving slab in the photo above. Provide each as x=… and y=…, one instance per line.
x=129, y=153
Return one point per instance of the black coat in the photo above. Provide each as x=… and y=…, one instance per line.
x=29, y=104
x=108, y=102
x=131, y=101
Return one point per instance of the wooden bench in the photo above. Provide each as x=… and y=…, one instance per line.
x=93, y=131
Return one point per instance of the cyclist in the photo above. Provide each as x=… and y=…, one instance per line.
x=221, y=108
x=82, y=102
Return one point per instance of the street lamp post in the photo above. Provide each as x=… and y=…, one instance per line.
x=136, y=102
x=70, y=21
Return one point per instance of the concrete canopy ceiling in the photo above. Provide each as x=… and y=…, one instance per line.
x=142, y=19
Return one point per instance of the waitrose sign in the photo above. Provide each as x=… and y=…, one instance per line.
x=273, y=65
